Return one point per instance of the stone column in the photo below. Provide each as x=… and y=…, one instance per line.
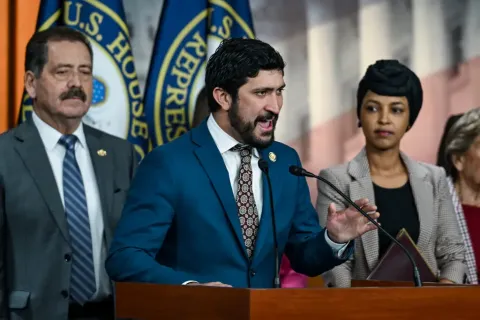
x=472, y=50
x=431, y=61
x=374, y=25
x=324, y=88
x=430, y=52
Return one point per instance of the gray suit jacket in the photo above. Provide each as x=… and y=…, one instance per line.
x=440, y=241
x=34, y=244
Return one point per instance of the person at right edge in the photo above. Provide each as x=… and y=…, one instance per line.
x=408, y=194
x=462, y=158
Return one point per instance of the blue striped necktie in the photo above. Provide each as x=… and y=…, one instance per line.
x=82, y=281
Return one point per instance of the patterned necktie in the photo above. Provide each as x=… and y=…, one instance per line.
x=247, y=210
x=82, y=282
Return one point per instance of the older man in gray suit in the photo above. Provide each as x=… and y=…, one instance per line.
x=62, y=189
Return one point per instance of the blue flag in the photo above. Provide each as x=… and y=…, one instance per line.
x=188, y=33
x=117, y=106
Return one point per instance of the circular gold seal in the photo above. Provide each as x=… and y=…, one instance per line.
x=272, y=156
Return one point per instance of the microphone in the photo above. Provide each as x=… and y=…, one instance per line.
x=297, y=171
x=263, y=165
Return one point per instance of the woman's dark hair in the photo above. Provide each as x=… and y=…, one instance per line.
x=392, y=78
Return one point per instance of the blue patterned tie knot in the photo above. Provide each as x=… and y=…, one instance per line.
x=68, y=141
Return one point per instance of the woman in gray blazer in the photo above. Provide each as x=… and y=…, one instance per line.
x=408, y=194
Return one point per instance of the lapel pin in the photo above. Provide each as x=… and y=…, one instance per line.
x=102, y=153
x=272, y=156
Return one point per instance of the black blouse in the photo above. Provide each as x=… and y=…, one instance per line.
x=397, y=210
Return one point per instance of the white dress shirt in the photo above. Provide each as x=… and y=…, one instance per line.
x=232, y=161
x=56, y=153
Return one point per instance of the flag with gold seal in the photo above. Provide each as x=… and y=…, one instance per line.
x=189, y=32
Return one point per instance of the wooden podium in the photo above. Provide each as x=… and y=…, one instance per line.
x=148, y=302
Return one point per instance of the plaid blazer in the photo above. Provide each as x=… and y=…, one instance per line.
x=440, y=241
x=469, y=255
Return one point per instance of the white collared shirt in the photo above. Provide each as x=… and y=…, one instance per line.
x=56, y=153
x=232, y=161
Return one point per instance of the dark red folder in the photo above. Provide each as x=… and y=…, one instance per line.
x=395, y=265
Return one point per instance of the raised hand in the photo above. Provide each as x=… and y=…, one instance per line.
x=349, y=224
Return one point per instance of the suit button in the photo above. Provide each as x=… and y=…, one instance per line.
x=252, y=273
x=64, y=294
x=67, y=257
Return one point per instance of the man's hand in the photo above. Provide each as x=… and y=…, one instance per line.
x=349, y=224
x=210, y=284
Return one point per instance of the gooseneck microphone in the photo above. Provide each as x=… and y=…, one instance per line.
x=297, y=171
x=263, y=165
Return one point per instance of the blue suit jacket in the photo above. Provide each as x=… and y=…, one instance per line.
x=180, y=220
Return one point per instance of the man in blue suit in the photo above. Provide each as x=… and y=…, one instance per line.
x=198, y=211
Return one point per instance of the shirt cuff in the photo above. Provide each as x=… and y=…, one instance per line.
x=189, y=281
x=338, y=248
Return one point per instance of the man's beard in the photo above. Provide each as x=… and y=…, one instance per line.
x=246, y=129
